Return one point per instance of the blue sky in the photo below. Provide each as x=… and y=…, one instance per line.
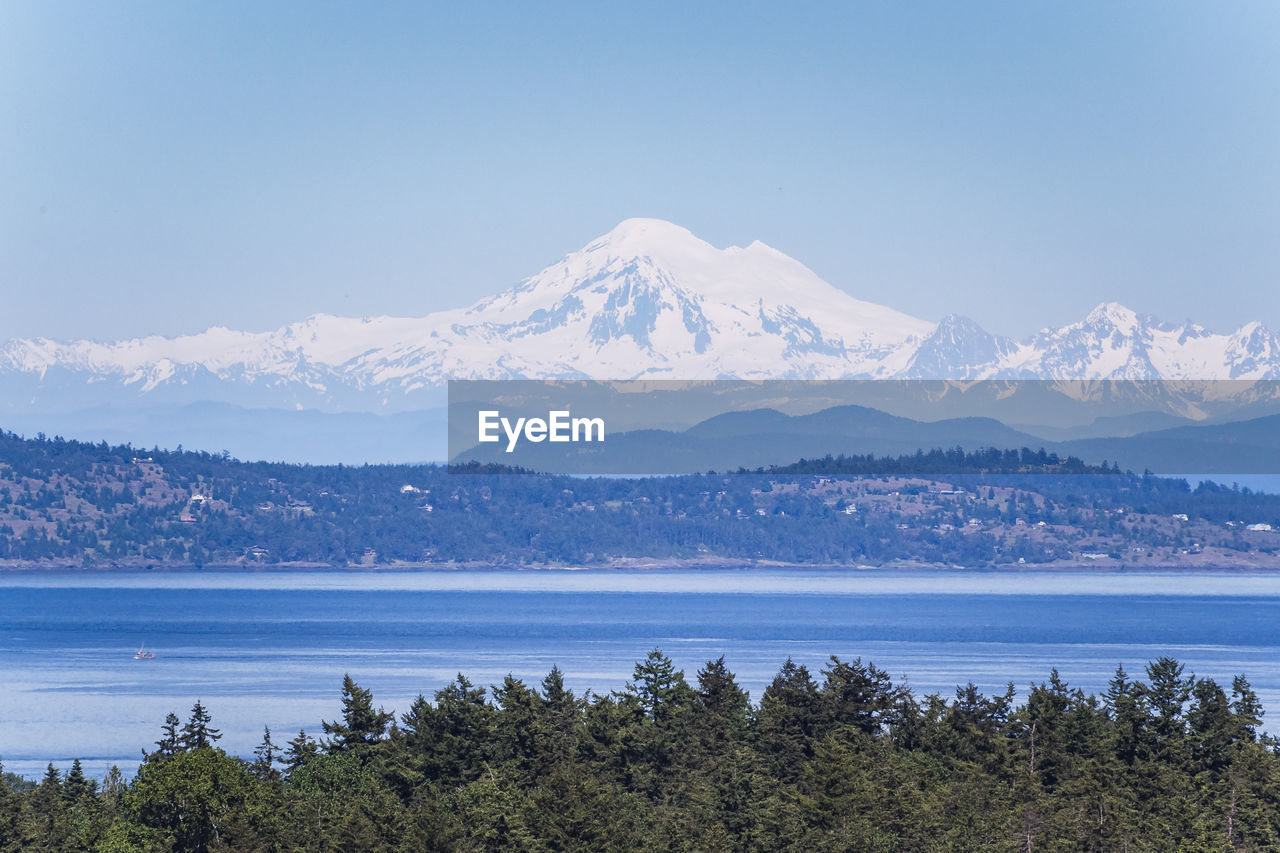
x=169, y=166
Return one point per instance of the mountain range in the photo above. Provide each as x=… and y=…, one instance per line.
x=1248, y=450
x=647, y=300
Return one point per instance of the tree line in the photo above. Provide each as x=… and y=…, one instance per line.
x=843, y=759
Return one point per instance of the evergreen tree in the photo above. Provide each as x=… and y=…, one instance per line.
x=977, y=725
x=722, y=706
x=657, y=688
x=299, y=751
x=1246, y=707
x=264, y=757
x=462, y=721
x=46, y=827
x=559, y=720
x=1043, y=730
x=1167, y=693
x=1125, y=703
x=170, y=740
x=197, y=733
x=516, y=733
x=1211, y=727
x=418, y=723
x=788, y=715
x=75, y=787
x=361, y=725
x=856, y=695
x=51, y=784
x=113, y=787
x=655, y=705
x=10, y=811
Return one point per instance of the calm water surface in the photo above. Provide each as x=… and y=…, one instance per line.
x=271, y=649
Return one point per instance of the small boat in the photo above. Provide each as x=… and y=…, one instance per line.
x=143, y=654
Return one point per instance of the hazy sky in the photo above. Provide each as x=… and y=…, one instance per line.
x=166, y=166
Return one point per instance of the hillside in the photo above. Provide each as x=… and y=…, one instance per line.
x=70, y=504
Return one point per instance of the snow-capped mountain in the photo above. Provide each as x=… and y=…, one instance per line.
x=646, y=300
x=958, y=348
x=1116, y=343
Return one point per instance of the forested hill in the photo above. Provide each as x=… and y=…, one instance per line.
x=67, y=503
x=847, y=760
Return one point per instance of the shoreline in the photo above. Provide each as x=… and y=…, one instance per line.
x=637, y=565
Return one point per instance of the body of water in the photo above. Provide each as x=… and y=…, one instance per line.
x=272, y=648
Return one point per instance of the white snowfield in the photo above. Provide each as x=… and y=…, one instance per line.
x=651, y=300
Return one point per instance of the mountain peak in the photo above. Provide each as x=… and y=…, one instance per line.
x=751, y=279
x=957, y=348
x=648, y=226
x=642, y=237
x=957, y=323
x=1114, y=315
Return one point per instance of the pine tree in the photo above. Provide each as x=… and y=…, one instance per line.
x=264, y=757
x=361, y=725
x=462, y=724
x=657, y=687
x=197, y=734
x=1211, y=726
x=47, y=817
x=856, y=694
x=113, y=786
x=1125, y=703
x=51, y=784
x=722, y=707
x=553, y=689
x=516, y=734
x=75, y=786
x=1246, y=707
x=1167, y=694
x=787, y=718
x=1043, y=731
x=417, y=723
x=652, y=723
x=560, y=718
x=978, y=724
x=170, y=742
x=299, y=751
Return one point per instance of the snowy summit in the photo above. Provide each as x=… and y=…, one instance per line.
x=646, y=300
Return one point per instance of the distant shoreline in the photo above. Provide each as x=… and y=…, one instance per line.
x=644, y=565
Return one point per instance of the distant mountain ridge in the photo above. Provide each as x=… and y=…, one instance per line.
x=646, y=300
x=765, y=437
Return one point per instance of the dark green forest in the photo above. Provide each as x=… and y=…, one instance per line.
x=68, y=503
x=839, y=760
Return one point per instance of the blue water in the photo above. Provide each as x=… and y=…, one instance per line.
x=272, y=648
